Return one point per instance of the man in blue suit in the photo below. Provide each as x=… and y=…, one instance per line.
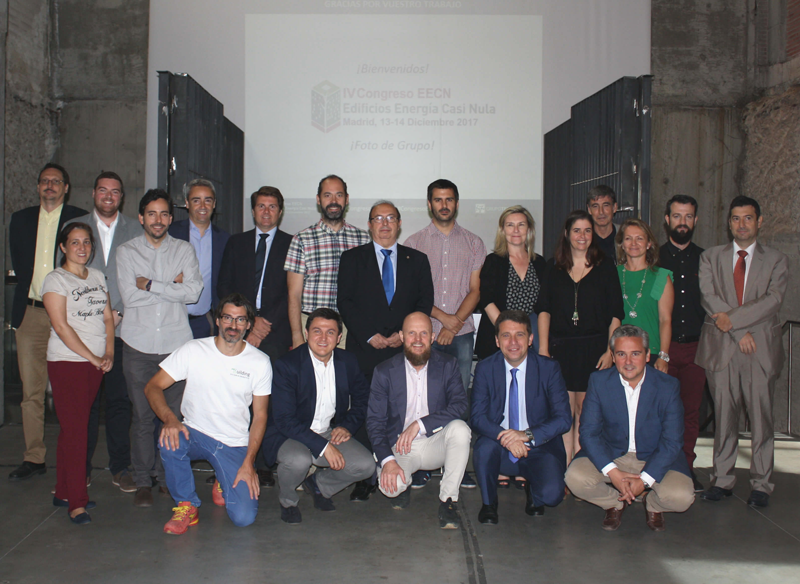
x=319, y=400
x=413, y=420
x=520, y=409
x=632, y=437
x=208, y=242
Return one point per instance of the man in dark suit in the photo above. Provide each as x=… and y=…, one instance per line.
x=424, y=435
x=253, y=265
x=208, y=242
x=32, y=244
x=520, y=409
x=319, y=400
x=111, y=229
x=742, y=286
x=631, y=437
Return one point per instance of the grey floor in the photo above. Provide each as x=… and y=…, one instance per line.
x=724, y=542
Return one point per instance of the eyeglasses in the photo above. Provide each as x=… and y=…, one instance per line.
x=228, y=319
x=56, y=182
x=382, y=218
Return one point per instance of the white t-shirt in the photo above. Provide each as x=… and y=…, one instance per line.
x=219, y=389
x=86, y=301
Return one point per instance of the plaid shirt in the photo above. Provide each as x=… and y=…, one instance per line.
x=315, y=252
x=453, y=258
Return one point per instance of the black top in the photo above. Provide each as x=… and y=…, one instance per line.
x=599, y=300
x=522, y=294
x=687, y=313
x=607, y=245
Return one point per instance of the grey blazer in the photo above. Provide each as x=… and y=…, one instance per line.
x=126, y=230
x=763, y=295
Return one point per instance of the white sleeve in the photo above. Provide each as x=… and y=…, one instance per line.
x=177, y=364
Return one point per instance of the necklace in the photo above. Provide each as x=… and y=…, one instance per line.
x=632, y=313
x=576, y=285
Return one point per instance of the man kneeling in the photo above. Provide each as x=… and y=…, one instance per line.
x=416, y=401
x=224, y=376
x=632, y=437
x=319, y=400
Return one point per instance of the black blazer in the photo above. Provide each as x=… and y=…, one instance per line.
x=22, y=232
x=294, y=400
x=238, y=274
x=219, y=239
x=362, y=300
x=494, y=281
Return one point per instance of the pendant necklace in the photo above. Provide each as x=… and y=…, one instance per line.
x=632, y=313
x=576, y=285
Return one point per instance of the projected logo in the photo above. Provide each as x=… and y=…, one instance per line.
x=326, y=106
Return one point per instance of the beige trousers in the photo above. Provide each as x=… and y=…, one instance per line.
x=32, y=337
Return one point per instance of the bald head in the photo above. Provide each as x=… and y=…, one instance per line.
x=417, y=337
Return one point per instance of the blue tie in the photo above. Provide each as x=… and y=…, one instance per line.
x=388, y=275
x=513, y=407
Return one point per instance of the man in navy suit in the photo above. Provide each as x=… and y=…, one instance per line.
x=520, y=407
x=319, y=400
x=414, y=419
x=208, y=242
x=632, y=437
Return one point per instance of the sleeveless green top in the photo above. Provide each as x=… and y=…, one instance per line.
x=643, y=311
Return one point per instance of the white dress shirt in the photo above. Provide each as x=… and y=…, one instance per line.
x=325, y=408
x=749, y=249
x=106, y=233
x=416, y=400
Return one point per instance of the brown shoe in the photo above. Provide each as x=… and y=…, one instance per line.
x=613, y=518
x=163, y=490
x=654, y=519
x=143, y=497
x=124, y=481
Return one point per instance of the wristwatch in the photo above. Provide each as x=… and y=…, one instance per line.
x=149, y=283
x=529, y=435
x=663, y=356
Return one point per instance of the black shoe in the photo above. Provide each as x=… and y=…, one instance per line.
x=26, y=470
x=402, y=500
x=291, y=515
x=531, y=508
x=467, y=482
x=488, y=514
x=213, y=479
x=716, y=494
x=266, y=479
x=64, y=503
x=698, y=486
x=320, y=502
x=80, y=518
x=362, y=490
x=420, y=478
x=758, y=499
x=448, y=515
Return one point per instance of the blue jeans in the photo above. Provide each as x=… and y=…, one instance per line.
x=226, y=461
x=461, y=348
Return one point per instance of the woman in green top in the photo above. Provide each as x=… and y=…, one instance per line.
x=647, y=291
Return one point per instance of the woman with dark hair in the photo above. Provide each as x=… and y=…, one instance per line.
x=647, y=289
x=80, y=350
x=581, y=306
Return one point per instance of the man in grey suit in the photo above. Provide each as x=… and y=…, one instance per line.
x=742, y=285
x=111, y=229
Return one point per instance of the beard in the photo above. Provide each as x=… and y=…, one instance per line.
x=333, y=212
x=415, y=359
x=681, y=237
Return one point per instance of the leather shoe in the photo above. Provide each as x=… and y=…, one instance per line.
x=531, y=508
x=265, y=478
x=26, y=470
x=320, y=501
x=81, y=518
x=758, y=499
x=488, y=514
x=143, y=497
x=613, y=518
x=362, y=490
x=402, y=500
x=291, y=515
x=654, y=519
x=716, y=494
x=164, y=490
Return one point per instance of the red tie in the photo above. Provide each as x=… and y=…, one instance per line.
x=738, y=275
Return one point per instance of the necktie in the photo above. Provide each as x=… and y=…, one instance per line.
x=738, y=275
x=261, y=253
x=513, y=407
x=388, y=275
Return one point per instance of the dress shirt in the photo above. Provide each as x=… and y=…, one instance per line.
x=106, y=233
x=523, y=416
x=453, y=259
x=632, y=399
x=392, y=256
x=416, y=400
x=687, y=312
x=325, y=409
x=46, y=235
x=156, y=322
x=271, y=237
x=747, y=259
x=202, y=247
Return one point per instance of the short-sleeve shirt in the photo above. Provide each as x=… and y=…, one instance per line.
x=315, y=252
x=86, y=301
x=453, y=258
x=645, y=308
x=219, y=388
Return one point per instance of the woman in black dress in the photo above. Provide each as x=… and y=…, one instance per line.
x=581, y=306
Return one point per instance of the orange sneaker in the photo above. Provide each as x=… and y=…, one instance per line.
x=216, y=495
x=184, y=515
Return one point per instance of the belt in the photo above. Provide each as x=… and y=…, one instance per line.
x=687, y=339
x=35, y=303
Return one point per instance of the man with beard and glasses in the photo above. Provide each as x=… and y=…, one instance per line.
x=158, y=276
x=312, y=262
x=414, y=419
x=682, y=257
x=224, y=375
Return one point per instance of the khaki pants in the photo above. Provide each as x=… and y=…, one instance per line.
x=304, y=319
x=32, y=337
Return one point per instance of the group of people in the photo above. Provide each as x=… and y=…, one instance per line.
x=340, y=357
